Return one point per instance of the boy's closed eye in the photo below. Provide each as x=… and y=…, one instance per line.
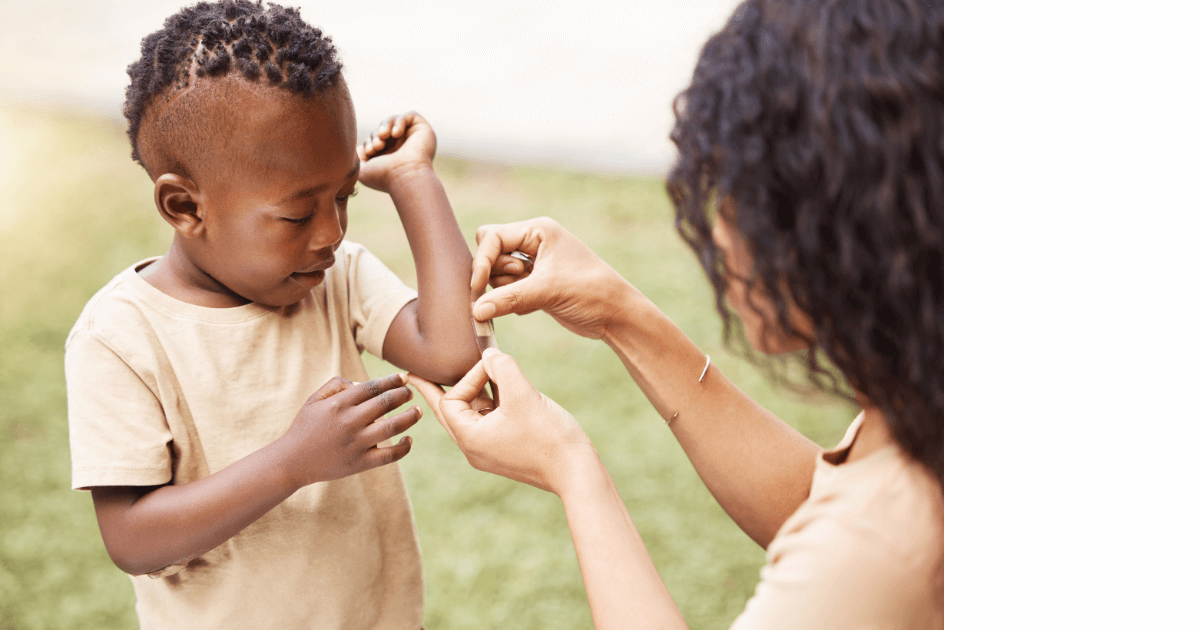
x=305, y=219
x=300, y=221
x=345, y=198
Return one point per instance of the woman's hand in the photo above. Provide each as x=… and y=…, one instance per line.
x=529, y=438
x=567, y=280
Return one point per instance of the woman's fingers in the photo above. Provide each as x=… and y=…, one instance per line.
x=433, y=394
x=503, y=369
x=456, y=404
x=496, y=241
x=507, y=265
x=511, y=297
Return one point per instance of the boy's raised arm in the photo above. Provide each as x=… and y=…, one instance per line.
x=433, y=335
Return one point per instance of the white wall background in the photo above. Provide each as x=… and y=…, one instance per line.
x=580, y=83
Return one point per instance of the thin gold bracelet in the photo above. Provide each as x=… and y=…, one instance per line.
x=707, y=362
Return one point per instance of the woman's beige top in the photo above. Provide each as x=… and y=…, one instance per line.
x=864, y=551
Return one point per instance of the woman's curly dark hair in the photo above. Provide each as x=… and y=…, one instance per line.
x=821, y=121
x=258, y=41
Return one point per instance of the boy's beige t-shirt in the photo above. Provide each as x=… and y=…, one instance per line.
x=864, y=551
x=160, y=391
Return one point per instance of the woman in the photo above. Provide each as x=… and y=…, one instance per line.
x=809, y=183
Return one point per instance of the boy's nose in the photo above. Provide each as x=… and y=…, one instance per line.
x=332, y=227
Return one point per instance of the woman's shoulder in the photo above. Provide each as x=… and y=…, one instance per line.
x=886, y=498
x=867, y=543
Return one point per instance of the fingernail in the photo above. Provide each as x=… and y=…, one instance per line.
x=489, y=352
x=485, y=311
x=513, y=268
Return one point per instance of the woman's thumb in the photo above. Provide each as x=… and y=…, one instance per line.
x=503, y=369
x=512, y=298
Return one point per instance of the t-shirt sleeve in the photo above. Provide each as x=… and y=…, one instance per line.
x=376, y=297
x=118, y=432
x=832, y=575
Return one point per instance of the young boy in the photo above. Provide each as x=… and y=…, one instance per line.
x=234, y=495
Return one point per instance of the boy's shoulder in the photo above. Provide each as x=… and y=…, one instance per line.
x=113, y=308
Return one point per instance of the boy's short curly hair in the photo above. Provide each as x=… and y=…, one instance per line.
x=213, y=38
x=821, y=121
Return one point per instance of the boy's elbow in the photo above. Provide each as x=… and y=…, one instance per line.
x=127, y=561
x=455, y=365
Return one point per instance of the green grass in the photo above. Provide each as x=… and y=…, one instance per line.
x=497, y=554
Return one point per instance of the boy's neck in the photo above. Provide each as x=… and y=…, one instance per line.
x=177, y=276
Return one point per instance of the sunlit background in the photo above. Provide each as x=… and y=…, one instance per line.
x=566, y=82
x=542, y=108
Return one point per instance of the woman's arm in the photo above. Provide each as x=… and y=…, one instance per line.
x=757, y=467
x=529, y=438
x=432, y=335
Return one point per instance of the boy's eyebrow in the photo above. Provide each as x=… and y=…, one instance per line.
x=308, y=192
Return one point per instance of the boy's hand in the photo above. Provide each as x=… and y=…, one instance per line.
x=336, y=435
x=401, y=144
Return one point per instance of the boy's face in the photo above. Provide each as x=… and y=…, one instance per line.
x=274, y=210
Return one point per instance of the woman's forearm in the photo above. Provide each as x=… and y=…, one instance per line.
x=757, y=467
x=624, y=589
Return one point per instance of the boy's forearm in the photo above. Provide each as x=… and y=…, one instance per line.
x=440, y=336
x=147, y=531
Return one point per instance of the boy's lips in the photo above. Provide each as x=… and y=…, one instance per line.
x=315, y=275
x=322, y=266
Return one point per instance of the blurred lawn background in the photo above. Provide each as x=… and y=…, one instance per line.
x=75, y=210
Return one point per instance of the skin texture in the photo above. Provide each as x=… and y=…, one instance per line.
x=261, y=225
x=757, y=467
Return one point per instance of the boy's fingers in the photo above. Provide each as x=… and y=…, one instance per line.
x=331, y=387
x=388, y=428
x=383, y=455
x=385, y=403
x=375, y=388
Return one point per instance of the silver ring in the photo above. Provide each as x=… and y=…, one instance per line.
x=480, y=411
x=523, y=257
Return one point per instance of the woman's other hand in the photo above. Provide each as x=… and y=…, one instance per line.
x=568, y=280
x=529, y=438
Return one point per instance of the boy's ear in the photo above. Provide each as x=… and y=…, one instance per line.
x=178, y=201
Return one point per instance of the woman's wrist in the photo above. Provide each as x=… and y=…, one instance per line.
x=630, y=308
x=581, y=473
